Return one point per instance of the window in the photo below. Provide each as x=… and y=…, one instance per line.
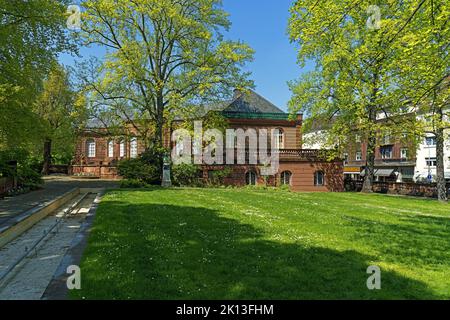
x=359, y=156
x=358, y=138
x=386, y=152
x=122, y=148
x=286, y=178
x=386, y=139
x=319, y=178
x=431, y=162
x=133, y=148
x=90, y=147
x=250, y=178
x=430, y=141
x=279, y=139
x=404, y=153
x=345, y=158
x=111, y=149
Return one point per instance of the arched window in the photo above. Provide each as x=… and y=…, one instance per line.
x=90, y=148
x=250, y=178
x=122, y=148
x=133, y=148
x=111, y=149
x=279, y=138
x=286, y=178
x=319, y=178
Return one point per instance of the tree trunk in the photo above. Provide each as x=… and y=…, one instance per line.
x=440, y=168
x=47, y=156
x=370, y=163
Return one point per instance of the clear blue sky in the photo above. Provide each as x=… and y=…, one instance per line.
x=263, y=25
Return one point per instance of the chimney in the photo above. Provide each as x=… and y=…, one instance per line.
x=237, y=93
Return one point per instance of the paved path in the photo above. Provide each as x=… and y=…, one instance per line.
x=54, y=187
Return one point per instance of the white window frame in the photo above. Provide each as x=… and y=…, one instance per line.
x=91, y=148
x=429, y=162
x=122, y=148
x=283, y=178
x=358, y=156
x=110, y=149
x=404, y=153
x=383, y=154
x=316, y=179
x=134, y=148
x=433, y=143
x=279, y=139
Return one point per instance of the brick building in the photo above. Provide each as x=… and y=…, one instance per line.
x=303, y=170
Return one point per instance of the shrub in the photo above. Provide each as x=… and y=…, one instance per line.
x=185, y=175
x=217, y=177
x=132, y=184
x=27, y=176
x=27, y=172
x=137, y=169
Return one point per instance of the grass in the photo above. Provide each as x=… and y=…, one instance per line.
x=256, y=244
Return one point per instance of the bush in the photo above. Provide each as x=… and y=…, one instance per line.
x=185, y=175
x=132, y=184
x=27, y=176
x=27, y=172
x=137, y=169
x=217, y=177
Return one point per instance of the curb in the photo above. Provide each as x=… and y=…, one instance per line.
x=29, y=218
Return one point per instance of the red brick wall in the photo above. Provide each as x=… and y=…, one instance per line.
x=302, y=179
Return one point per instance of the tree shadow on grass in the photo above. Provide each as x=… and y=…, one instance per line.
x=415, y=240
x=151, y=251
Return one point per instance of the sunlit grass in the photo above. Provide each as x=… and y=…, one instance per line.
x=259, y=244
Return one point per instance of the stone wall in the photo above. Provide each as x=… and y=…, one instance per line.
x=408, y=189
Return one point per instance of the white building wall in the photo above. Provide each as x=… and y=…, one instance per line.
x=425, y=151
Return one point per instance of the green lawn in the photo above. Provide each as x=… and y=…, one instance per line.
x=256, y=244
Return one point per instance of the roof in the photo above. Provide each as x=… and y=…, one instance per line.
x=244, y=105
x=251, y=102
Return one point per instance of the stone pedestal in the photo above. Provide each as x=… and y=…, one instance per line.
x=166, y=181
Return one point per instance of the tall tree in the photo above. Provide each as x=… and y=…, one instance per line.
x=424, y=74
x=351, y=44
x=61, y=115
x=32, y=33
x=163, y=55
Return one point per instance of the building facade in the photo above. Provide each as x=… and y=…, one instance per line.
x=396, y=158
x=98, y=153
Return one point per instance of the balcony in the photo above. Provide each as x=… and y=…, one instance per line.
x=290, y=154
x=400, y=161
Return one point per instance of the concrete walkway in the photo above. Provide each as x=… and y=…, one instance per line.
x=54, y=187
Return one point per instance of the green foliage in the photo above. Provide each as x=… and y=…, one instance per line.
x=62, y=114
x=27, y=176
x=27, y=171
x=217, y=177
x=356, y=79
x=137, y=169
x=164, y=56
x=132, y=184
x=186, y=175
x=32, y=33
